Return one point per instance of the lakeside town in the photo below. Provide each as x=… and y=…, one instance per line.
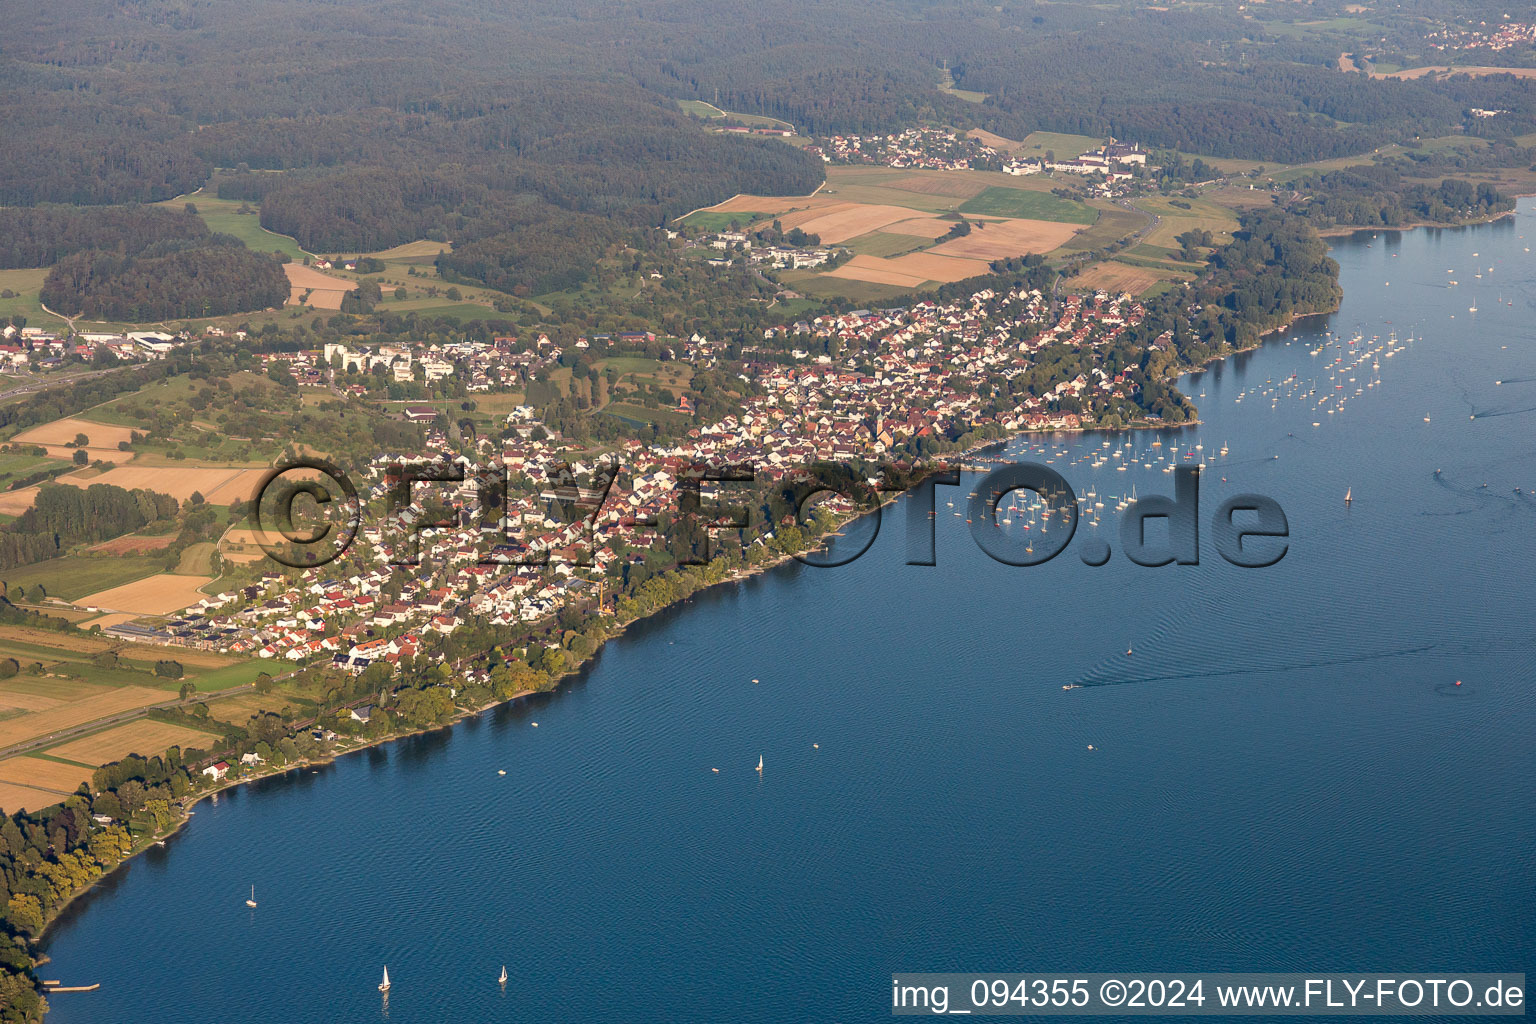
x=814, y=408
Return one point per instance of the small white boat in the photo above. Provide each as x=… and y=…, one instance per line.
x=1347, y=492
x=759, y=762
x=503, y=979
x=1128, y=652
x=384, y=985
x=252, y=901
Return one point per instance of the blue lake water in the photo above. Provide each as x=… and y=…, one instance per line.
x=1284, y=775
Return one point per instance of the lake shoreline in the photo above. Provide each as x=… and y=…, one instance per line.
x=185, y=810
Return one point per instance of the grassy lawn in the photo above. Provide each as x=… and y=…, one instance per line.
x=221, y=215
x=1066, y=147
x=708, y=220
x=73, y=577
x=14, y=467
x=25, y=283
x=233, y=675
x=640, y=414
x=698, y=108
x=879, y=243
x=1013, y=202
x=197, y=559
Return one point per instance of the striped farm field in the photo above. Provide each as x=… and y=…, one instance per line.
x=161, y=594
x=64, y=431
x=936, y=267
x=921, y=227
x=43, y=774
x=1119, y=277
x=940, y=183
x=143, y=737
x=79, y=712
x=876, y=271
x=24, y=798
x=995, y=240
x=848, y=220
x=218, y=484
x=325, y=292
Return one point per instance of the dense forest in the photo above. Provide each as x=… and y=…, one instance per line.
x=63, y=516
x=360, y=126
x=1376, y=196
x=41, y=236
x=206, y=280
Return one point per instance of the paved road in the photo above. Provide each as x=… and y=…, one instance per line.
x=35, y=384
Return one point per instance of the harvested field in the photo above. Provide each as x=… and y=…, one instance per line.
x=154, y=595
x=1116, y=277
x=999, y=239
x=237, y=710
x=41, y=774
x=143, y=737
x=59, y=432
x=103, y=621
x=938, y=268
x=79, y=712
x=241, y=547
x=48, y=692
x=921, y=227
x=219, y=485
x=189, y=657
x=1440, y=70
x=114, y=455
x=24, y=798
x=325, y=291
x=49, y=638
x=940, y=184
x=14, y=503
x=875, y=270
x=997, y=142
x=134, y=544
x=844, y=221
x=410, y=250
x=756, y=204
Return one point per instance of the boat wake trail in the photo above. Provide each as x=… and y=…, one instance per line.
x=1246, y=670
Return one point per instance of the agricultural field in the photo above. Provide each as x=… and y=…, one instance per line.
x=15, y=467
x=713, y=220
x=312, y=287
x=161, y=594
x=65, y=714
x=144, y=737
x=224, y=216
x=1039, y=145
x=73, y=576
x=219, y=485
x=999, y=201
x=25, y=284
x=1441, y=70
x=1115, y=276
x=892, y=219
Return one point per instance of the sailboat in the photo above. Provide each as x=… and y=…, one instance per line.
x=252, y=901
x=503, y=979
x=759, y=762
x=384, y=985
x=1347, y=492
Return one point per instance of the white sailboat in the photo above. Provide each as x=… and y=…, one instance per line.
x=252, y=901
x=503, y=979
x=1348, y=491
x=759, y=762
x=384, y=985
